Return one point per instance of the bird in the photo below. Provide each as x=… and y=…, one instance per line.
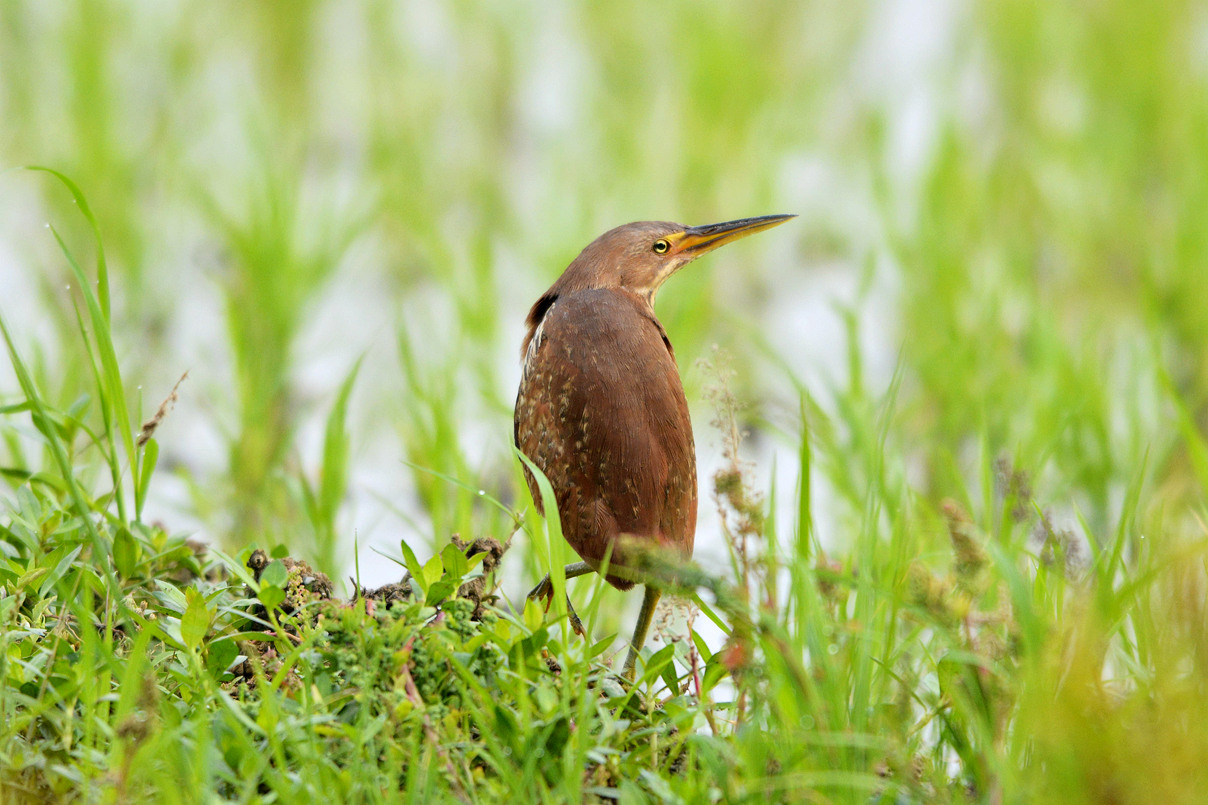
x=601, y=409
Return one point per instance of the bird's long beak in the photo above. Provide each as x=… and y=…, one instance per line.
x=696, y=240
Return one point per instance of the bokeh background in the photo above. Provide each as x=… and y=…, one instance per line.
x=999, y=260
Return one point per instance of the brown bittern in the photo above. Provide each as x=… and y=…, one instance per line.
x=601, y=409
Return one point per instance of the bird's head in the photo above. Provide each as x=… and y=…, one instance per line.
x=639, y=257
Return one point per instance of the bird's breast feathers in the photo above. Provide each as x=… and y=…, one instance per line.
x=600, y=359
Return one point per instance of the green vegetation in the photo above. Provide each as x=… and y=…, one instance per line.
x=978, y=572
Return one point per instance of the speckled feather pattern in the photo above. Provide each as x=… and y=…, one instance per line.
x=601, y=411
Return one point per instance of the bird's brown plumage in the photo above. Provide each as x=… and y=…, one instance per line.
x=601, y=410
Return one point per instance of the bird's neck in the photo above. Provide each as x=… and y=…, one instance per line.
x=643, y=300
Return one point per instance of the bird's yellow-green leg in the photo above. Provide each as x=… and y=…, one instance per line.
x=649, y=602
x=545, y=589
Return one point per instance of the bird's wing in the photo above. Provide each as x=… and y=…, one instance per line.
x=601, y=411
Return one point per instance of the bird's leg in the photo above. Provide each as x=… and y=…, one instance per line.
x=649, y=602
x=545, y=589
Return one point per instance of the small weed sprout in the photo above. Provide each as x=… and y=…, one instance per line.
x=740, y=508
x=151, y=425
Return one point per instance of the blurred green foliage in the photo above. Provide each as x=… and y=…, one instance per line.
x=989, y=584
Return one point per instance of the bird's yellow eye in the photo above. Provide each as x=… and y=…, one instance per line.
x=661, y=246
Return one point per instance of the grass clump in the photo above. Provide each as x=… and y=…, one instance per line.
x=238, y=677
